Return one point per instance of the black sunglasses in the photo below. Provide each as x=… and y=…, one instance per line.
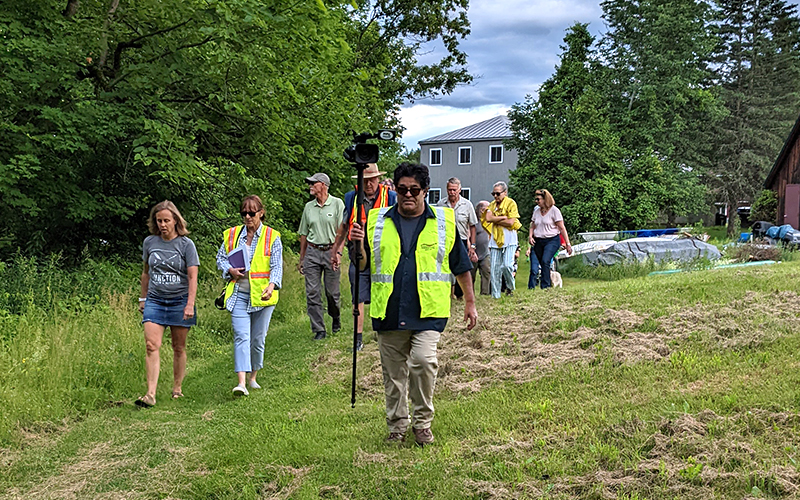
x=402, y=190
x=251, y=214
x=497, y=194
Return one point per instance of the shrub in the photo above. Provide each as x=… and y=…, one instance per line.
x=765, y=207
x=750, y=252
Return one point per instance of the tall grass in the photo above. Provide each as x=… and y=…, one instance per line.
x=71, y=340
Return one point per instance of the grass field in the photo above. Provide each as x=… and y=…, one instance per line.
x=680, y=386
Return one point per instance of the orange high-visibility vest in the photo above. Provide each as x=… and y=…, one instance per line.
x=381, y=201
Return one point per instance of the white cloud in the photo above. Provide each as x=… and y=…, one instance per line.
x=535, y=14
x=424, y=120
x=513, y=48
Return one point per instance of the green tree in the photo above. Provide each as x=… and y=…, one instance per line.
x=567, y=145
x=765, y=207
x=389, y=35
x=758, y=63
x=661, y=92
x=109, y=106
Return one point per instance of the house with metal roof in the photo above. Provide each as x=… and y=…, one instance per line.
x=475, y=154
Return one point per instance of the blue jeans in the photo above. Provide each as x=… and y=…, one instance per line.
x=545, y=249
x=249, y=334
x=533, y=279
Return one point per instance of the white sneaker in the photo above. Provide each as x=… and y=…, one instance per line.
x=254, y=385
x=240, y=390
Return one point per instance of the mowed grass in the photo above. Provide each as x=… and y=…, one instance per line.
x=679, y=386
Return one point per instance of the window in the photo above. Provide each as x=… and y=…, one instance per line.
x=436, y=157
x=465, y=155
x=434, y=195
x=465, y=192
x=495, y=154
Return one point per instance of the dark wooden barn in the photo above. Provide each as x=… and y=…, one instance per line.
x=784, y=179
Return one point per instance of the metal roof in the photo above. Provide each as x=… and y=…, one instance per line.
x=498, y=127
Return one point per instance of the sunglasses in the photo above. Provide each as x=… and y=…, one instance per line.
x=402, y=190
x=497, y=194
x=245, y=214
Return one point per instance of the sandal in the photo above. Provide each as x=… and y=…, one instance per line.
x=145, y=401
x=177, y=394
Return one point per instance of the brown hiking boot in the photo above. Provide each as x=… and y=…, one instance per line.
x=423, y=436
x=396, y=438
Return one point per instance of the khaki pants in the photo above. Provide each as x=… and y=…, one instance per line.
x=485, y=266
x=409, y=364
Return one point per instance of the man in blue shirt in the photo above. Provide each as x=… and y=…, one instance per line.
x=376, y=195
x=406, y=340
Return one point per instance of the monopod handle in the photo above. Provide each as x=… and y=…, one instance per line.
x=359, y=208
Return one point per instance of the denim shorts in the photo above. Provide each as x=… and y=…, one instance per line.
x=167, y=311
x=364, y=281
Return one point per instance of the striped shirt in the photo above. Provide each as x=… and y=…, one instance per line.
x=275, y=266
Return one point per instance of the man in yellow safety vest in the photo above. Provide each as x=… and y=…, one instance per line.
x=412, y=250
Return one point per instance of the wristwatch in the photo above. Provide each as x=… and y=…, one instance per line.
x=472, y=246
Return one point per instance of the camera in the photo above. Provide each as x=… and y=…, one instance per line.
x=362, y=153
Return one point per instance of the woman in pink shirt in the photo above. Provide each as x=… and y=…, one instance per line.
x=547, y=225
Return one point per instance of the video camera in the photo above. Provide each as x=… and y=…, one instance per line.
x=362, y=153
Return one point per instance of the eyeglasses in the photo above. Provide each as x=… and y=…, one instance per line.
x=538, y=198
x=245, y=214
x=497, y=194
x=402, y=190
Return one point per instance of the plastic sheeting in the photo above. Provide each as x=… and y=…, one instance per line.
x=785, y=232
x=634, y=233
x=641, y=249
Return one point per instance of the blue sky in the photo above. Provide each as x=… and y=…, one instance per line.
x=513, y=49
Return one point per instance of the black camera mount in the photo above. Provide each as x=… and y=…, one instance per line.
x=360, y=154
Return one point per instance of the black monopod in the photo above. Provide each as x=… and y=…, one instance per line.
x=359, y=217
x=360, y=154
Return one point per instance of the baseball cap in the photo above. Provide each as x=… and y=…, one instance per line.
x=319, y=177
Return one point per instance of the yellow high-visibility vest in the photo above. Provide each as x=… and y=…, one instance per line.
x=259, y=266
x=432, y=258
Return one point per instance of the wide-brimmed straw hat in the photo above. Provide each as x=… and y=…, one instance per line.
x=370, y=172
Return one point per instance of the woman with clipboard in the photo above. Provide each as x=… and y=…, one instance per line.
x=251, y=258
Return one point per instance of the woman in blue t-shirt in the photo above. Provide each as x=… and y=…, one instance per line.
x=169, y=287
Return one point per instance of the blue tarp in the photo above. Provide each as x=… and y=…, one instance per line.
x=648, y=233
x=783, y=232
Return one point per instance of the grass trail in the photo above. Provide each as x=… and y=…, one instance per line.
x=682, y=386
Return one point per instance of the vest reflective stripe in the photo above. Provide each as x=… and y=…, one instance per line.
x=434, y=244
x=268, y=248
x=381, y=278
x=233, y=237
x=381, y=200
x=434, y=277
x=376, y=243
x=259, y=264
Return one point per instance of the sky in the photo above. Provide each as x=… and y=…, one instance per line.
x=512, y=50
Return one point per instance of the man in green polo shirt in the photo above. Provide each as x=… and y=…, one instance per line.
x=321, y=218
